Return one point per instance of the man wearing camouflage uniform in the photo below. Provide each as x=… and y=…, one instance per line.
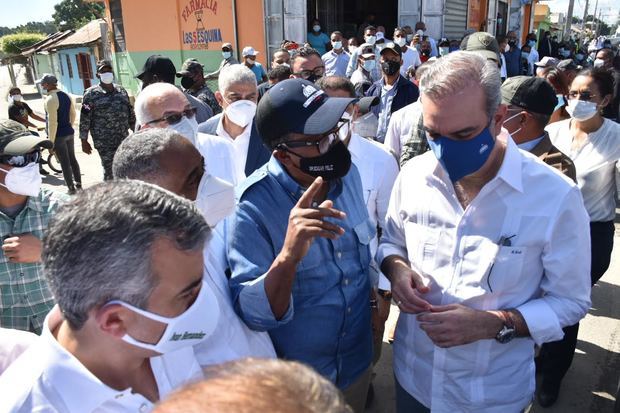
x=107, y=114
x=193, y=82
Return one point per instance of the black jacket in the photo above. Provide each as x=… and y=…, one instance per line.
x=406, y=93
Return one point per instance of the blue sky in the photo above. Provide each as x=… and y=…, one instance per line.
x=16, y=12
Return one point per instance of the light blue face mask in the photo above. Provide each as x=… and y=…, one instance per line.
x=561, y=102
x=462, y=157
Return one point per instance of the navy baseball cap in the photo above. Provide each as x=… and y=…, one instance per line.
x=158, y=65
x=297, y=106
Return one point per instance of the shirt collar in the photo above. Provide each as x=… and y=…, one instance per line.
x=529, y=145
x=510, y=171
x=70, y=376
x=35, y=202
x=220, y=131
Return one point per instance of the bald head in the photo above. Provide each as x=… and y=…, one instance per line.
x=158, y=100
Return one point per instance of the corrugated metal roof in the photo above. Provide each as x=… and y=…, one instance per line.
x=49, y=41
x=89, y=33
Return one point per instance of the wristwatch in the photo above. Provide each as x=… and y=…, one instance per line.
x=385, y=294
x=508, y=331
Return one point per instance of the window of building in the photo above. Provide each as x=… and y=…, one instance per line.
x=69, y=67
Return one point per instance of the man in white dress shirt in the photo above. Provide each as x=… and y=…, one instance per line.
x=485, y=249
x=124, y=262
x=162, y=105
x=237, y=94
x=164, y=158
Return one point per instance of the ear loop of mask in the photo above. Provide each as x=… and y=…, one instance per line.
x=509, y=119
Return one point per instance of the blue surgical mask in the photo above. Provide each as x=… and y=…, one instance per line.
x=462, y=157
x=525, y=55
x=532, y=43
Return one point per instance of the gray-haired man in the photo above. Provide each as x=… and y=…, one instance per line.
x=165, y=158
x=238, y=95
x=128, y=313
x=485, y=249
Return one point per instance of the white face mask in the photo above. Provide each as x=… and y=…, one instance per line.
x=506, y=48
x=443, y=51
x=337, y=45
x=226, y=55
x=598, y=63
x=400, y=41
x=106, y=78
x=369, y=65
x=352, y=49
x=316, y=28
x=409, y=38
x=513, y=133
x=187, y=128
x=241, y=112
x=187, y=329
x=16, y=98
x=215, y=199
x=371, y=39
x=581, y=110
x=25, y=180
x=343, y=132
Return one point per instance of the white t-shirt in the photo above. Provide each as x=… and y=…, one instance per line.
x=410, y=58
x=596, y=162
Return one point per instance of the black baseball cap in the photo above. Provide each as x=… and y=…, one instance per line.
x=483, y=43
x=297, y=106
x=533, y=94
x=568, y=64
x=15, y=139
x=394, y=47
x=158, y=65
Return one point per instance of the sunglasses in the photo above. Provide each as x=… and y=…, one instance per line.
x=323, y=144
x=175, y=118
x=20, y=160
x=585, y=96
x=317, y=71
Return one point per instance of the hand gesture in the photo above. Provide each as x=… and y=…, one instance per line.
x=305, y=223
x=407, y=287
x=456, y=325
x=24, y=248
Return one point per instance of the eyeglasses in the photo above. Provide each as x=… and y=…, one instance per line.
x=20, y=160
x=323, y=144
x=585, y=96
x=317, y=71
x=175, y=118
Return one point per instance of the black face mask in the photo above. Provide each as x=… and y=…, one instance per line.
x=187, y=82
x=512, y=43
x=390, y=67
x=333, y=164
x=426, y=53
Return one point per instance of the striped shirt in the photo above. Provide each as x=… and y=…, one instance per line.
x=25, y=298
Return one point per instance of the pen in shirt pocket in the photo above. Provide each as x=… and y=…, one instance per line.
x=504, y=241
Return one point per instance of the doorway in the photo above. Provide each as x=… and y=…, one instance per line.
x=350, y=16
x=85, y=70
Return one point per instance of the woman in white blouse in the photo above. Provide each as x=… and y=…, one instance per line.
x=593, y=143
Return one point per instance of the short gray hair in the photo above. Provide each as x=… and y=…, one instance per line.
x=138, y=155
x=459, y=70
x=97, y=247
x=233, y=74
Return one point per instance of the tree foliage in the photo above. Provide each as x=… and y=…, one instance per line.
x=73, y=14
x=47, y=27
x=13, y=44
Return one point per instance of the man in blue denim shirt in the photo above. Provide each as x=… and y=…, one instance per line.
x=299, y=240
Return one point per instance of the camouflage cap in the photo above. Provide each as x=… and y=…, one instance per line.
x=190, y=66
x=484, y=44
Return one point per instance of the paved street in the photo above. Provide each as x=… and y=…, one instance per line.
x=589, y=386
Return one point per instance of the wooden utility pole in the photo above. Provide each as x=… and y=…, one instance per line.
x=585, y=16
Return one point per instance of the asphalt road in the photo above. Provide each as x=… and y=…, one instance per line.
x=589, y=386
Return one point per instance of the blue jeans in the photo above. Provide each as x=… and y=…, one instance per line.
x=406, y=403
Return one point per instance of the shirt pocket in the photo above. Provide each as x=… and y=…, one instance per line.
x=505, y=272
x=422, y=246
x=364, y=232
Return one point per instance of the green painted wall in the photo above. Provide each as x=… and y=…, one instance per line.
x=129, y=64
